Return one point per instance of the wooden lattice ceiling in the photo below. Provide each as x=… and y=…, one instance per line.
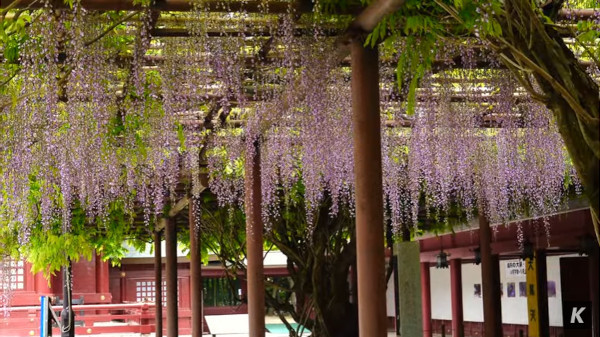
x=170, y=18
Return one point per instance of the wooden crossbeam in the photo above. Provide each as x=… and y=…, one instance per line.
x=262, y=32
x=368, y=17
x=252, y=6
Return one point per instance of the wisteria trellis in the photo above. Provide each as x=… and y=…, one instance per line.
x=89, y=134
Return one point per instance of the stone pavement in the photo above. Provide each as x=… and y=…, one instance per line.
x=390, y=334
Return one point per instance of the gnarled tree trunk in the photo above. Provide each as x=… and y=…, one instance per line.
x=564, y=87
x=319, y=264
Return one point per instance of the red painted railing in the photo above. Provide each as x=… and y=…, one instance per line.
x=90, y=319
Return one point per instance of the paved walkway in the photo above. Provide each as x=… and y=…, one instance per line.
x=390, y=334
x=268, y=320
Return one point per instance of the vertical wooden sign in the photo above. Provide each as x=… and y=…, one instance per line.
x=533, y=312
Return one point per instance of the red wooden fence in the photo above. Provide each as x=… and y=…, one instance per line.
x=89, y=319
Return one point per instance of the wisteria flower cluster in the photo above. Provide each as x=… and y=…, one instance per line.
x=91, y=122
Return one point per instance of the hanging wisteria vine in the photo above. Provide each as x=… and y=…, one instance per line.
x=97, y=117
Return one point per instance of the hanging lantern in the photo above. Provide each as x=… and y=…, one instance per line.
x=586, y=245
x=527, y=252
x=477, y=253
x=442, y=260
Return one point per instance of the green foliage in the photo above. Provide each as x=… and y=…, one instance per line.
x=582, y=4
x=232, y=169
x=419, y=29
x=587, y=40
x=223, y=232
x=51, y=247
x=335, y=6
x=13, y=34
x=143, y=3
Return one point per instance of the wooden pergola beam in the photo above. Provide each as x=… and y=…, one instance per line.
x=437, y=65
x=364, y=23
x=369, y=17
x=260, y=32
x=252, y=6
x=178, y=207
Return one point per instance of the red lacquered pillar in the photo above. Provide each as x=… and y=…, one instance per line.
x=158, y=281
x=102, y=277
x=426, y=299
x=195, y=271
x=41, y=285
x=254, y=244
x=490, y=282
x=171, y=271
x=456, y=293
x=370, y=262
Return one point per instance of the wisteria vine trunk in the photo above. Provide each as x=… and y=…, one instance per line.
x=565, y=88
x=319, y=266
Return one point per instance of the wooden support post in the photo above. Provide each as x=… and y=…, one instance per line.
x=41, y=285
x=594, y=268
x=195, y=271
x=171, y=269
x=456, y=293
x=254, y=243
x=28, y=278
x=490, y=282
x=426, y=299
x=575, y=284
x=158, y=309
x=369, y=194
x=102, y=278
x=102, y=282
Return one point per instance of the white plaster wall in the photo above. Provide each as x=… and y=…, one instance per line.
x=514, y=309
x=555, y=303
x=441, y=305
x=472, y=305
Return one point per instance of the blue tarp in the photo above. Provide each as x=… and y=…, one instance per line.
x=281, y=328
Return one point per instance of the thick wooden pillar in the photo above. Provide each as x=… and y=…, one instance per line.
x=490, y=282
x=171, y=269
x=158, y=309
x=195, y=271
x=426, y=299
x=575, y=296
x=369, y=191
x=456, y=294
x=28, y=278
x=594, y=269
x=102, y=277
x=41, y=284
x=254, y=243
x=102, y=282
